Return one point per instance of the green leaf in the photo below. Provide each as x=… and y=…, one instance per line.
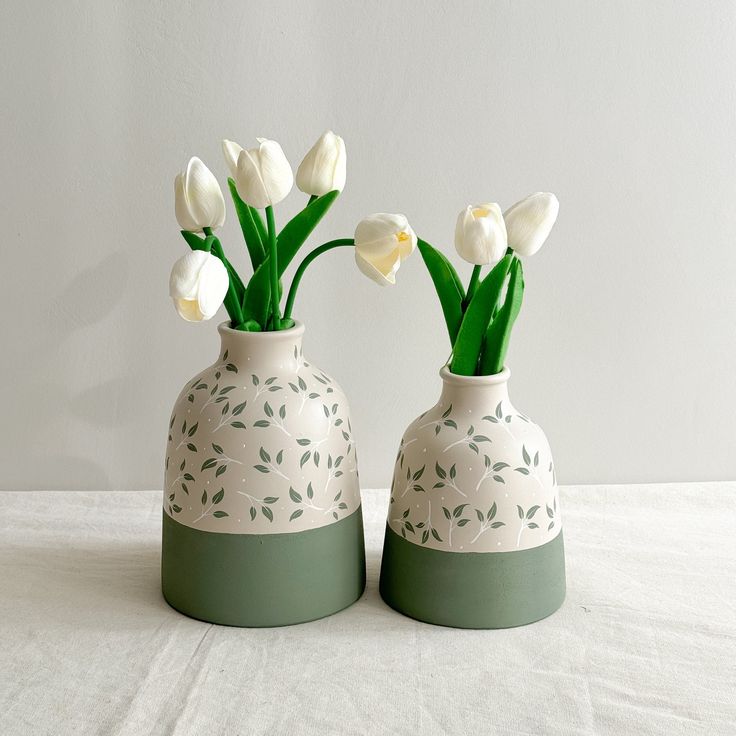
x=533, y=510
x=525, y=455
x=294, y=496
x=193, y=240
x=267, y=512
x=499, y=332
x=209, y=463
x=296, y=514
x=463, y=522
x=204, y=497
x=220, y=470
x=251, y=225
x=220, y=514
x=270, y=499
x=240, y=425
x=447, y=285
x=290, y=239
x=252, y=513
x=218, y=496
x=446, y=512
x=467, y=346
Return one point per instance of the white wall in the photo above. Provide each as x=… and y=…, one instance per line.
x=624, y=351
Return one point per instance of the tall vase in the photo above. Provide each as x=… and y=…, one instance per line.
x=262, y=523
x=474, y=535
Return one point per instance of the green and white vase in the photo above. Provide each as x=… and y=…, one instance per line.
x=262, y=522
x=474, y=536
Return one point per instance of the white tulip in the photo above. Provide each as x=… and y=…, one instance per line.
x=530, y=221
x=480, y=234
x=382, y=242
x=198, y=284
x=231, y=150
x=263, y=175
x=198, y=198
x=324, y=167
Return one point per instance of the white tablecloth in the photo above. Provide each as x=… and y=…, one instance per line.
x=644, y=644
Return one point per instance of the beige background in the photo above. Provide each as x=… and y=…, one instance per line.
x=624, y=351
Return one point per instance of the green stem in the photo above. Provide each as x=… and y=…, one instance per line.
x=303, y=267
x=273, y=267
x=232, y=303
x=472, y=286
x=312, y=198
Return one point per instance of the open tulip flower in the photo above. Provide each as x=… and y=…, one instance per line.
x=382, y=242
x=480, y=234
x=479, y=320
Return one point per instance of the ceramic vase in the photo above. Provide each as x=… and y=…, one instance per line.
x=262, y=522
x=474, y=533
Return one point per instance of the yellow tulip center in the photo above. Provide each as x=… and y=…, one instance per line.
x=402, y=236
x=478, y=212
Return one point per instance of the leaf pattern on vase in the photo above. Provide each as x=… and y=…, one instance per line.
x=251, y=429
x=474, y=475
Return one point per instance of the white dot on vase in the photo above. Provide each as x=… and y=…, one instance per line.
x=461, y=547
x=498, y=544
x=506, y=495
x=238, y=521
x=208, y=482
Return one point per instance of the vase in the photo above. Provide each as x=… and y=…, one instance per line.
x=474, y=535
x=262, y=522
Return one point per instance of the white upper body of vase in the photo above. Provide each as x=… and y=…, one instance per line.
x=473, y=474
x=261, y=441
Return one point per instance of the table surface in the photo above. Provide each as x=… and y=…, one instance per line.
x=644, y=644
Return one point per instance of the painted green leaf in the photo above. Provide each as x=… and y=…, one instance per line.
x=296, y=514
x=209, y=463
x=267, y=512
x=240, y=425
x=497, y=524
x=220, y=470
x=463, y=522
x=498, y=334
x=253, y=513
x=270, y=499
x=220, y=514
x=204, y=497
x=310, y=491
x=479, y=514
x=447, y=285
x=533, y=510
x=295, y=497
x=436, y=535
x=525, y=455
x=218, y=496
x=520, y=512
x=446, y=512
x=261, y=468
x=467, y=348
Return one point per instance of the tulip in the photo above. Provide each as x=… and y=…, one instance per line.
x=480, y=234
x=198, y=284
x=198, y=198
x=231, y=150
x=530, y=221
x=323, y=168
x=263, y=176
x=382, y=242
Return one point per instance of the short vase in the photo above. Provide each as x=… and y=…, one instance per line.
x=474, y=535
x=262, y=522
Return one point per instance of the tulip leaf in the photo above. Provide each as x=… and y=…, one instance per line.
x=254, y=232
x=499, y=332
x=290, y=239
x=194, y=241
x=467, y=348
x=447, y=284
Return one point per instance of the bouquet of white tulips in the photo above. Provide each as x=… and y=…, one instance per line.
x=261, y=177
x=479, y=320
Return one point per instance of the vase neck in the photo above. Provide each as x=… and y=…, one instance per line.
x=261, y=351
x=473, y=391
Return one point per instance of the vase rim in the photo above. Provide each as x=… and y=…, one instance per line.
x=272, y=335
x=456, y=379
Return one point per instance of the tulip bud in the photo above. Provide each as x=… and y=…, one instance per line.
x=480, y=234
x=198, y=198
x=198, y=284
x=323, y=168
x=231, y=150
x=382, y=242
x=530, y=221
x=263, y=176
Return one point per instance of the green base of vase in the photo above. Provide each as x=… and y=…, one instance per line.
x=470, y=590
x=263, y=579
